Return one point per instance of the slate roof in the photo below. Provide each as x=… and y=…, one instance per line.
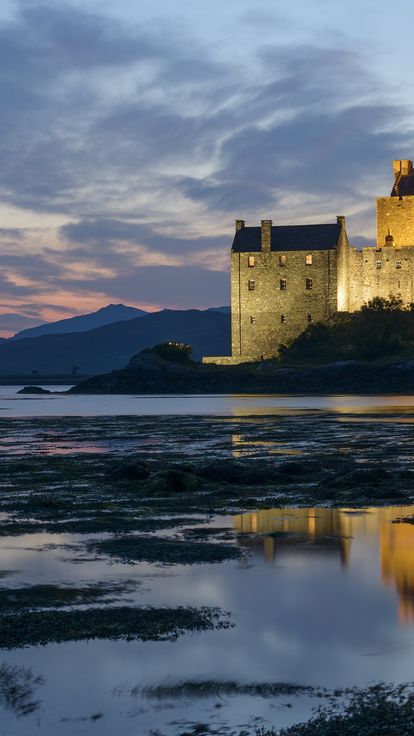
x=288, y=237
x=404, y=187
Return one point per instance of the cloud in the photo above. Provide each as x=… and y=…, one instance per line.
x=139, y=145
x=182, y=288
x=110, y=232
x=11, y=233
x=138, y=114
x=318, y=128
x=10, y=322
x=67, y=132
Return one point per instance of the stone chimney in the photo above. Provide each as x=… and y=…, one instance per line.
x=266, y=235
x=340, y=220
x=239, y=225
x=402, y=167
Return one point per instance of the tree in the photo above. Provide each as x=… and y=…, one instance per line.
x=176, y=352
x=380, y=304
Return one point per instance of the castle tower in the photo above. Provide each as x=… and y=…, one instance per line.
x=387, y=269
x=395, y=214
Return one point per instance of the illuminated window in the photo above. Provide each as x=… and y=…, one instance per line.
x=378, y=264
x=252, y=320
x=282, y=260
x=309, y=259
x=283, y=284
x=309, y=283
x=251, y=261
x=398, y=264
x=283, y=318
x=310, y=318
x=252, y=284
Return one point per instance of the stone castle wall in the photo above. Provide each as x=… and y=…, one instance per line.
x=382, y=272
x=264, y=315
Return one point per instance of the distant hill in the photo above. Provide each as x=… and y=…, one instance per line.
x=225, y=310
x=111, y=346
x=83, y=323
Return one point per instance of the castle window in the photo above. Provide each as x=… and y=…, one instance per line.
x=378, y=264
x=252, y=320
x=252, y=284
x=398, y=264
x=309, y=283
x=283, y=318
x=283, y=284
x=250, y=261
x=309, y=259
x=282, y=260
x=310, y=318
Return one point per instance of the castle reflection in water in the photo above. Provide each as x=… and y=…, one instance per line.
x=334, y=532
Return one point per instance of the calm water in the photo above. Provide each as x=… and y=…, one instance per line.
x=329, y=604
x=14, y=405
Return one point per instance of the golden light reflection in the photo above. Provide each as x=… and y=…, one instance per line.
x=316, y=530
x=397, y=565
x=242, y=446
x=335, y=532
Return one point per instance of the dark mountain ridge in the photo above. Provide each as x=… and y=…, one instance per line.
x=83, y=322
x=107, y=348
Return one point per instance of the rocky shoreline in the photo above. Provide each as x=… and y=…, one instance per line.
x=148, y=373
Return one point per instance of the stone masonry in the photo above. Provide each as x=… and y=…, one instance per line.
x=283, y=278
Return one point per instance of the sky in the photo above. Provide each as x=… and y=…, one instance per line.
x=133, y=134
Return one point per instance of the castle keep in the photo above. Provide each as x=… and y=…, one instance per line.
x=285, y=277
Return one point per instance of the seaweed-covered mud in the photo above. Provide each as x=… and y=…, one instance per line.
x=121, y=622
x=379, y=709
x=186, y=563
x=143, y=474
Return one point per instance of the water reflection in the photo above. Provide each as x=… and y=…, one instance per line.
x=243, y=446
x=280, y=534
x=397, y=565
x=58, y=403
x=317, y=603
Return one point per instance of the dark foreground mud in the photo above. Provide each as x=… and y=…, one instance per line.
x=147, y=624
x=166, y=551
x=378, y=710
x=143, y=474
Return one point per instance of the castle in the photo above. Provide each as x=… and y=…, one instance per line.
x=284, y=277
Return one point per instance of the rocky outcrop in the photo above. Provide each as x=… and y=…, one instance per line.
x=148, y=373
x=33, y=390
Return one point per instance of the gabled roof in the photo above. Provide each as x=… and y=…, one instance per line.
x=288, y=237
x=403, y=187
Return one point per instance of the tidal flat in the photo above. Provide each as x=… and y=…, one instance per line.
x=206, y=574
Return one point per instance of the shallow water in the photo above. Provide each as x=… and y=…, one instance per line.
x=14, y=405
x=328, y=601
